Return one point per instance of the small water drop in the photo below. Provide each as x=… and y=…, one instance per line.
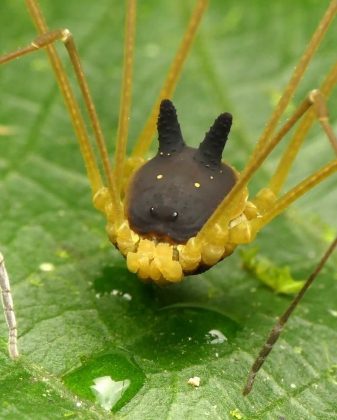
x=94, y=379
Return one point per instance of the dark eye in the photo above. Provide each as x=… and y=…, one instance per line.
x=163, y=214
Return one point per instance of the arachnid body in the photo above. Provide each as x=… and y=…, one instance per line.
x=185, y=210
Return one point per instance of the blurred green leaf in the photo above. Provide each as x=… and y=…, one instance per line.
x=89, y=317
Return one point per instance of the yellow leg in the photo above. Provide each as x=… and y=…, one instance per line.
x=73, y=107
x=287, y=160
x=125, y=102
x=145, y=139
x=76, y=117
x=296, y=76
x=224, y=211
x=294, y=194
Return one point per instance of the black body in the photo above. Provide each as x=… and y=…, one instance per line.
x=172, y=196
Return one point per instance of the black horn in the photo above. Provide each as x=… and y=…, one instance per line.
x=211, y=148
x=169, y=133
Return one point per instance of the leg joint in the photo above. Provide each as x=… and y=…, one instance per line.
x=48, y=38
x=318, y=101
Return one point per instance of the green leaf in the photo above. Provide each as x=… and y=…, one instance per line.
x=88, y=317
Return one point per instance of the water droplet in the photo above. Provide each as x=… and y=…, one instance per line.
x=185, y=330
x=118, y=366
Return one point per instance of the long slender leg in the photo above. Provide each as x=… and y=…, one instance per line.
x=296, y=76
x=222, y=214
x=86, y=149
x=278, y=327
x=7, y=303
x=125, y=101
x=73, y=108
x=287, y=160
x=44, y=41
x=294, y=194
x=145, y=139
x=314, y=100
x=64, y=84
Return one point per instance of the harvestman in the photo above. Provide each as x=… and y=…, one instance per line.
x=185, y=210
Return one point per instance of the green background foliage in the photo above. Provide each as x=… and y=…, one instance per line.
x=75, y=322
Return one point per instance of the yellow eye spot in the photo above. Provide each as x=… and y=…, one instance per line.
x=160, y=176
x=197, y=185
